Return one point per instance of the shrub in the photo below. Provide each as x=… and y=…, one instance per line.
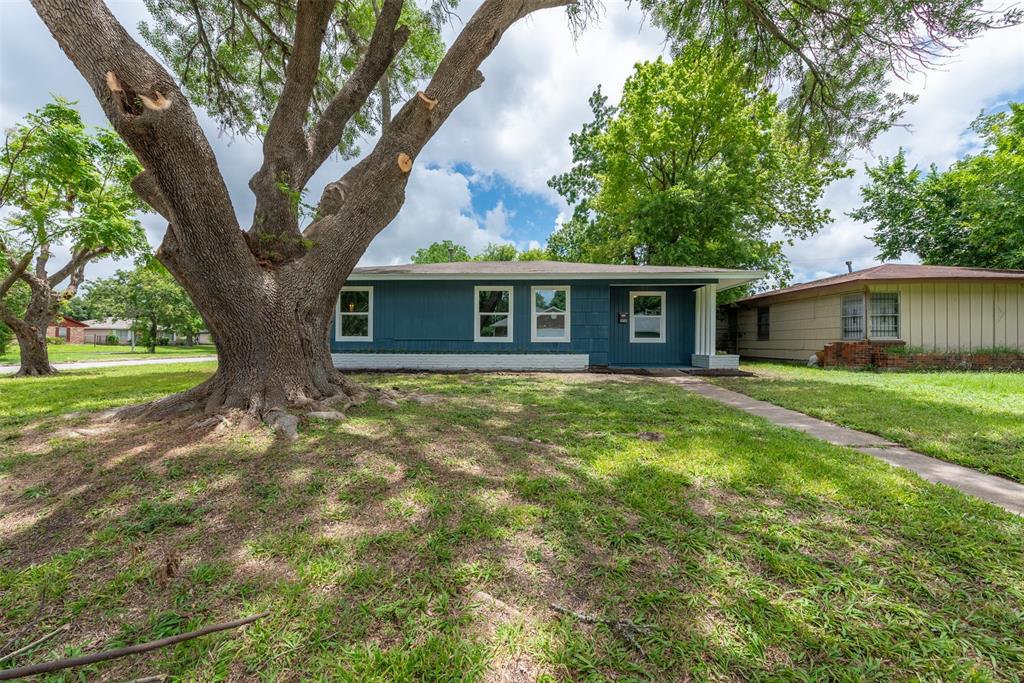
x=163, y=341
x=113, y=339
x=5, y=338
x=54, y=341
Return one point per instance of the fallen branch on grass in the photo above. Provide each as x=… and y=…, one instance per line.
x=623, y=628
x=38, y=641
x=58, y=664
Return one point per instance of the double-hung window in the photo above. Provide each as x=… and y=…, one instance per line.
x=885, y=315
x=550, y=314
x=764, y=319
x=493, y=314
x=852, y=316
x=647, y=317
x=355, y=314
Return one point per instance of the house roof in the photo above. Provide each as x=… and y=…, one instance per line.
x=66, y=321
x=109, y=324
x=539, y=270
x=894, y=272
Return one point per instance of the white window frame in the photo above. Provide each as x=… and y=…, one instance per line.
x=567, y=337
x=338, y=313
x=870, y=315
x=477, y=313
x=863, y=317
x=632, y=318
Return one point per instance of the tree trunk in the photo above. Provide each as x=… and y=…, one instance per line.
x=31, y=334
x=152, y=336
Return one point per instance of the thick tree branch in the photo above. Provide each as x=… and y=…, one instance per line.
x=146, y=186
x=376, y=185
x=78, y=261
x=387, y=40
x=16, y=268
x=151, y=114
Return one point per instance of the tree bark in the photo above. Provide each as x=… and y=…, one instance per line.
x=30, y=332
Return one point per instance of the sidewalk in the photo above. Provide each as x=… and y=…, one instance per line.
x=85, y=365
x=1005, y=493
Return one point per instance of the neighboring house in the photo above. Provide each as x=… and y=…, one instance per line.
x=521, y=315
x=935, y=309
x=97, y=331
x=70, y=330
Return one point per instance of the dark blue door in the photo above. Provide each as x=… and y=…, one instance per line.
x=651, y=326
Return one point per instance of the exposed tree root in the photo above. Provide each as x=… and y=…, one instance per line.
x=34, y=371
x=248, y=405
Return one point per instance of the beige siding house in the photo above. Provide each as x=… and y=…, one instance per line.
x=940, y=309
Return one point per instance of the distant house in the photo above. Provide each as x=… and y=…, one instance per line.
x=70, y=330
x=99, y=331
x=523, y=315
x=936, y=309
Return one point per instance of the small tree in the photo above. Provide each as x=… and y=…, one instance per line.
x=441, y=252
x=150, y=298
x=67, y=187
x=497, y=252
x=971, y=214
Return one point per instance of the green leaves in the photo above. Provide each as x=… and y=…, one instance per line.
x=68, y=185
x=692, y=168
x=971, y=214
x=230, y=56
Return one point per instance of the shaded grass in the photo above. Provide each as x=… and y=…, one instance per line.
x=970, y=418
x=428, y=544
x=70, y=353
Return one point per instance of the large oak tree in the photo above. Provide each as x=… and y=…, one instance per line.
x=268, y=290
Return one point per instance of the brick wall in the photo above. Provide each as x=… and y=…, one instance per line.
x=861, y=354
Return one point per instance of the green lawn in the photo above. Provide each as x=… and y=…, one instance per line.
x=69, y=353
x=971, y=418
x=429, y=543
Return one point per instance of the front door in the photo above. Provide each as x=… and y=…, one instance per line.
x=651, y=326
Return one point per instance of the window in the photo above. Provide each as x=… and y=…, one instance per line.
x=355, y=314
x=647, y=317
x=493, y=314
x=763, y=323
x=550, y=314
x=852, y=315
x=885, y=315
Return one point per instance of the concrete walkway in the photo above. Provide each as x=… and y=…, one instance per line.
x=1007, y=494
x=85, y=365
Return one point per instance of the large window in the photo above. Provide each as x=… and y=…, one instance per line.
x=763, y=323
x=647, y=317
x=355, y=314
x=493, y=314
x=885, y=315
x=853, y=316
x=550, y=315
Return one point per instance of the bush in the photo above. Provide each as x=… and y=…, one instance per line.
x=54, y=341
x=163, y=341
x=113, y=339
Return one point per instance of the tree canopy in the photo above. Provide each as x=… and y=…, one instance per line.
x=691, y=168
x=970, y=214
x=446, y=250
x=63, y=185
x=441, y=252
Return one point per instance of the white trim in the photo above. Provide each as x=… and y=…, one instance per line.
x=462, y=361
x=726, y=280
x=661, y=318
x=338, y=313
x=508, y=339
x=567, y=337
x=704, y=320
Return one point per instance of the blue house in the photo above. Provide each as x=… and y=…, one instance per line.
x=530, y=315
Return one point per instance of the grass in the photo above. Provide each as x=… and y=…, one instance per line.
x=71, y=353
x=429, y=543
x=970, y=418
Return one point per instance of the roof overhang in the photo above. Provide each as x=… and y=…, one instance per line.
x=726, y=279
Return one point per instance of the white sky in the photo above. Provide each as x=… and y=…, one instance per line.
x=517, y=126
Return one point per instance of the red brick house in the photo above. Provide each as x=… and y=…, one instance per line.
x=70, y=330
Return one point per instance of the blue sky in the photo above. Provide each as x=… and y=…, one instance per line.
x=483, y=178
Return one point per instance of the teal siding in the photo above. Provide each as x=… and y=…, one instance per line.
x=679, y=329
x=435, y=316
